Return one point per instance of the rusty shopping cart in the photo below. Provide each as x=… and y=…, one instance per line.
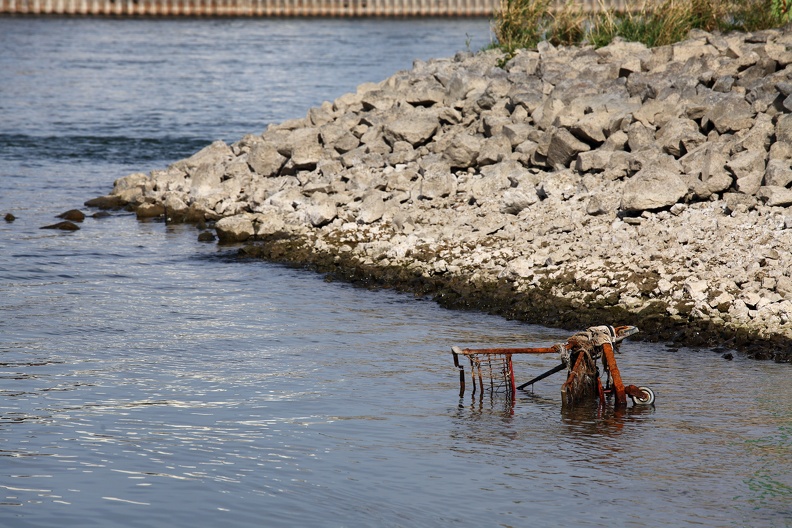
x=491, y=369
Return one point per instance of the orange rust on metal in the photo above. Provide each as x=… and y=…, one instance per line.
x=633, y=391
x=474, y=351
x=578, y=355
x=610, y=363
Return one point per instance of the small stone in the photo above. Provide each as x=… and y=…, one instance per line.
x=9, y=217
x=73, y=215
x=206, y=236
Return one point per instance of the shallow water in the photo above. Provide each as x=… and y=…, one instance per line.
x=151, y=380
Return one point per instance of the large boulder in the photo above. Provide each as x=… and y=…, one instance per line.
x=236, y=228
x=321, y=210
x=564, y=148
x=436, y=180
x=265, y=160
x=414, y=129
x=463, y=150
x=651, y=188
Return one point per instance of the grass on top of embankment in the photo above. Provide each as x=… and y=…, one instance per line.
x=524, y=23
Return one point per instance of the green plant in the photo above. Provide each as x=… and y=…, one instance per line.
x=567, y=25
x=753, y=15
x=525, y=23
x=782, y=9
x=521, y=24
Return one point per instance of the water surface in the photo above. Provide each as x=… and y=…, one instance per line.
x=151, y=380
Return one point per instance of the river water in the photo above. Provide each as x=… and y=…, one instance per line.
x=151, y=380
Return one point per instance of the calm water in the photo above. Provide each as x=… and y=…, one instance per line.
x=149, y=380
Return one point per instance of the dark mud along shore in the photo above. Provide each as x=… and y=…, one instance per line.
x=567, y=187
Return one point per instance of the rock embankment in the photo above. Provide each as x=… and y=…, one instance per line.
x=568, y=186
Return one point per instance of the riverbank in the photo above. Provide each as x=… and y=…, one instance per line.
x=566, y=187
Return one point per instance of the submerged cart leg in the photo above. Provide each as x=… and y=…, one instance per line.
x=455, y=351
x=610, y=363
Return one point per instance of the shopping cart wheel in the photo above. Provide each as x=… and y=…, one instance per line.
x=647, y=400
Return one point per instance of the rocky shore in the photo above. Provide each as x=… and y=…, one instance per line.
x=566, y=186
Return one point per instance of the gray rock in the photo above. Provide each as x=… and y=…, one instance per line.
x=414, y=129
x=595, y=206
x=372, y=208
x=205, y=180
x=436, y=180
x=775, y=196
x=564, y=148
x=778, y=173
x=640, y=137
x=234, y=228
x=731, y=115
x=494, y=150
x=463, y=150
x=321, y=210
x=748, y=168
x=593, y=128
x=137, y=180
x=737, y=201
x=652, y=188
x=514, y=201
x=489, y=184
x=783, y=129
x=679, y=135
x=265, y=160
x=517, y=133
x=463, y=83
x=216, y=153
x=561, y=185
x=426, y=92
x=338, y=137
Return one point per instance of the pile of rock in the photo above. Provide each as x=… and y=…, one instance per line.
x=650, y=182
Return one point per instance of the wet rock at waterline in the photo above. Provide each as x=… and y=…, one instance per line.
x=63, y=226
x=206, y=236
x=647, y=186
x=9, y=217
x=73, y=215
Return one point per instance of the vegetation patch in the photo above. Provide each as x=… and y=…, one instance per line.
x=523, y=24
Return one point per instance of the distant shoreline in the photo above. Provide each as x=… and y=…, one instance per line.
x=251, y=8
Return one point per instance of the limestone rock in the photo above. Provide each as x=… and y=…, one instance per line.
x=414, y=129
x=436, y=180
x=463, y=150
x=265, y=160
x=652, y=188
x=775, y=196
x=234, y=228
x=564, y=148
x=748, y=168
x=321, y=210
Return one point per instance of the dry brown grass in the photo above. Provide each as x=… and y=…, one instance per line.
x=525, y=23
